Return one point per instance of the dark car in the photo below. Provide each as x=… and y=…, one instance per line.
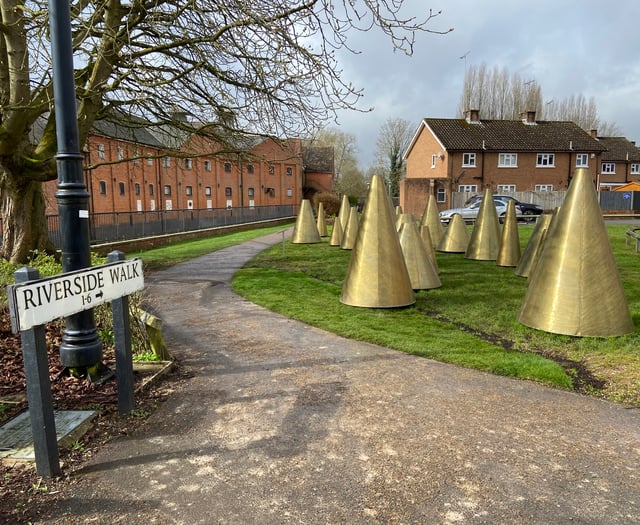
x=528, y=209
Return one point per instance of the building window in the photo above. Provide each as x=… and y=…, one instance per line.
x=227, y=191
x=250, y=192
x=545, y=160
x=272, y=170
x=608, y=167
x=207, y=165
x=149, y=161
x=166, y=162
x=227, y=167
x=582, y=160
x=289, y=170
x=120, y=154
x=441, y=195
x=468, y=160
x=101, y=151
x=508, y=160
x=103, y=187
x=188, y=164
x=635, y=169
x=167, y=189
x=207, y=190
x=250, y=168
x=289, y=192
x=121, y=187
x=137, y=188
x=506, y=188
x=188, y=190
x=468, y=188
x=433, y=160
x=150, y=189
x=136, y=157
x=544, y=187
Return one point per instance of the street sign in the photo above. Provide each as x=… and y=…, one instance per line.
x=38, y=302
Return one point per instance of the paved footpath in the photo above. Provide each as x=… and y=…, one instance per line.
x=282, y=423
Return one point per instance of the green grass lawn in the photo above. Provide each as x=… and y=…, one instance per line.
x=472, y=320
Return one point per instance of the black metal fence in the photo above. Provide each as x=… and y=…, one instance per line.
x=117, y=226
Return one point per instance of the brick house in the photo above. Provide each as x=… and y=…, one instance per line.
x=318, y=167
x=469, y=154
x=620, y=164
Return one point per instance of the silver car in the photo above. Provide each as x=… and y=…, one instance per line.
x=470, y=213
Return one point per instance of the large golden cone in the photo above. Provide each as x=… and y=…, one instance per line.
x=537, y=237
x=343, y=214
x=305, y=231
x=377, y=275
x=509, y=252
x=336, y=233
x=403, y=218
x=549, y=230
x=431, y=218
x=351, y=232
x=428, y=244
x=575, y=288
x=456, y=236
x=321, y=222
x=422, y=272
x=485, y=237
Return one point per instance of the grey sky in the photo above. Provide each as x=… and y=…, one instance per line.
x=569, y=47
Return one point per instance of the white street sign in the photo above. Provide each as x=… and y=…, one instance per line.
x=37, y=302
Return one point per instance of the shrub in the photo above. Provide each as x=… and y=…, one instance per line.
x=330, y=202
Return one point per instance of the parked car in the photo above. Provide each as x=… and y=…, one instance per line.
x=470, y=213
x=526, y=207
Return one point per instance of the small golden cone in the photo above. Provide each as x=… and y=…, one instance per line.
x=305, y=231
x=537, y=237
x=426, y=239
x=398, y=210
x=575, y=287
x=343, y=214
x=403, y=218
x=351, y=232
x=321, y=222
x=509, y=252
x=422, y=272
x=456, y=236
x=377, y=275
x=485, y=237
x=431, y=218
x=336, y=233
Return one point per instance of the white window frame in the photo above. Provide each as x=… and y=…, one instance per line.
x=468, y=188
x=120, y=153
x=506, y=188
x=582, y=160
x=635, y=169
x=609, y=168
x=507, y=160
x=468, y=160
x=149, y=161
x=166, y=162
x=441, y=195
x=546, y=160
x=544, y=187
x=188, y=190
x=188, y=164
x=207, y=190
x=289, y=192
x=207, y=165
x=101, y=151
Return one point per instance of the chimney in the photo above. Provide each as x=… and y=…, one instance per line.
x=473, y=116
x=594, y=133
x=528, y=117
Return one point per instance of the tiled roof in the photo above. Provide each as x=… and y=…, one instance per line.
x=318, y=159
x=619, y=149
x=135, y=131
x=512, y=135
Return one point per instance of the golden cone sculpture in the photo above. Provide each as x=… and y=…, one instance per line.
x=403, y=218
x=422, y=272
x=456, y=237
x=575, y=287
x=431, y=218
x=343, y=214
x=428, y=244
x=351, y=232
x=485, y=237
x=321, y=222
x=336, y=233
x=305, y=231
x=398, y=210
x=377, y=275
x=509, y=251
x=535, y=241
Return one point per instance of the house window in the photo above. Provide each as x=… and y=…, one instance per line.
x=149, y=161
x=272, y=170
x=207, y=165
x=167, y=189
x=137, y=188
x=121, y=187
x=101, y=151
x=505, y=188
x=250, y=168
x=545, y=160
x=468, y=188
x=103, y=187
x=468, y=160
x=289, y=170
x=635, y=169
x=188, y=164
x=150, y=189
x=227, y=191
x=250, y=192
x=289, y=192
x=508, y=160
x=544, y=187
x=441, y=195
x=136, y=157
x=227, y=167
x=166, y=162
x=120, y=154
x=188, y=190
x=433, y=160
x=608, y=167
x=207, y=190
x=582, y=160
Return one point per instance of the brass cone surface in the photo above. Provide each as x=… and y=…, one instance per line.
x=428, y=244
x=575, y=288
x=351, y=232
x=456, y=237
x=343, y=214
x=422, y=272
x=537, y=237
x=398, y=210
x=485, y=237
x=321, y=222
x=336, y=233
x=305, y=231
x=403, y=218
x=509, y=252
x=431, y=218
x=377, y=275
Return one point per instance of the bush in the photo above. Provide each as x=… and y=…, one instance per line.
x=330, y=202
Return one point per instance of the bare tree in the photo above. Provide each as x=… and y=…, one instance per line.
x=393, y=140
x=266, y=67
x=581, y=111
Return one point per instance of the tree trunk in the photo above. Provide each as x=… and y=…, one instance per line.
x=24, y=225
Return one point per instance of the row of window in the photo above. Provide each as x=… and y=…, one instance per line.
x=502, y=188
x=188, y=190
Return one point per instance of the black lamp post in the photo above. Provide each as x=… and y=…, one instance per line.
x=81, y=347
